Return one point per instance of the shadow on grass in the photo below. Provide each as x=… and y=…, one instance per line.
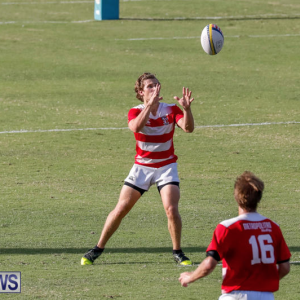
x=32, y=251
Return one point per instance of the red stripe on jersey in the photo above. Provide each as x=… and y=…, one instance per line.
x=174, y=111
x=155, y=155
x=133, y=113
x=159, y=164
x=168, y=119
x=154, y=138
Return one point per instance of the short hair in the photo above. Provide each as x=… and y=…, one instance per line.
x=139, y=84
x=248, y=190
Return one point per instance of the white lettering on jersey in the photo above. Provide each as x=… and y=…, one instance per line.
x=263, y=226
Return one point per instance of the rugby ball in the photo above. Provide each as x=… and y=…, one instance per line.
x=212, y=39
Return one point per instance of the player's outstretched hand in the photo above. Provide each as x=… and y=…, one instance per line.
x=185, y=278
x=155, y=95
x=186, y=99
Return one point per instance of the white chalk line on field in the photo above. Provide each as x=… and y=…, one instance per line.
x=247, y=124
x=197, y=37
x=62, y=130
x=48, y=2
x=122, y=128
x=45, y=22
x=240, y=17
x=68, y=2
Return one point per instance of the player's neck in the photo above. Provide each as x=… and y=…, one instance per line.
x=243, y=211
x=154, y=108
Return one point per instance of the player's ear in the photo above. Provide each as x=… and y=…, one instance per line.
x=141, y=92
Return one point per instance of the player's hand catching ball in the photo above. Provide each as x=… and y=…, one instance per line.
x=186, y=99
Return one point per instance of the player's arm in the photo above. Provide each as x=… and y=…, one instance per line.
x=187, y=122
x=283, y=269
x=204, y=269
x=140, y=121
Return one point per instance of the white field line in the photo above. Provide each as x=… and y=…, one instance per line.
x=144, y=39
x=68, y=2
x=241, y=17
x=247, y=124
x=45, y=22
x=122, y=128
x=62, y=130
x=197, y=37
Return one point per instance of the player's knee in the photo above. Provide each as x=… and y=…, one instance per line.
x=120, y=212
x=172, y=212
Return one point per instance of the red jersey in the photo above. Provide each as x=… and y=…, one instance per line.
x=154, y=143
x=250, y=246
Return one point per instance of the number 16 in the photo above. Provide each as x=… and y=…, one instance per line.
x=265, y=244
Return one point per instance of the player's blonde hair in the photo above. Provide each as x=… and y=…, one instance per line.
x=139, y=84
x=248, y=190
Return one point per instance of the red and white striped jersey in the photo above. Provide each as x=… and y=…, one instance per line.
x=250, y=247
x=154, y=143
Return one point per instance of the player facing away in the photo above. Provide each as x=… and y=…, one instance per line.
x=153, y=124
x=252, y=249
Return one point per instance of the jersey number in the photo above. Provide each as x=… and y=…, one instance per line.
x=266, y=248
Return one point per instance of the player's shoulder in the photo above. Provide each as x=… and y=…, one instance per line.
x=161, y=104
x=167, y=104
x=172, y=108
x=250, y=217
x=140, y=107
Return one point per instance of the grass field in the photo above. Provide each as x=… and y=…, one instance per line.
x=66, y=85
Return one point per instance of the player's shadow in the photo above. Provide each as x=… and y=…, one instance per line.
x=33, y=251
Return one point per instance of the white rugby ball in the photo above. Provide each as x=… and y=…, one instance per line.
x=212, y=39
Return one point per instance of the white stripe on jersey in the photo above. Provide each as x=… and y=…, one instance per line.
x=224, y=271
x=163, y=109
x=154, y=147
x=159, y=130
x=248, y=217
x=150, y=161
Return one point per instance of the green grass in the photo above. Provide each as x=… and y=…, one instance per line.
x=58, y=187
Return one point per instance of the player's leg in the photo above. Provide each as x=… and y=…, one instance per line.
x=128, y=197
x=136, y=183
x=170, y=195
x=167, y=181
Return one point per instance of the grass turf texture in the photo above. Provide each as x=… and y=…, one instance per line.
x=58, y=187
